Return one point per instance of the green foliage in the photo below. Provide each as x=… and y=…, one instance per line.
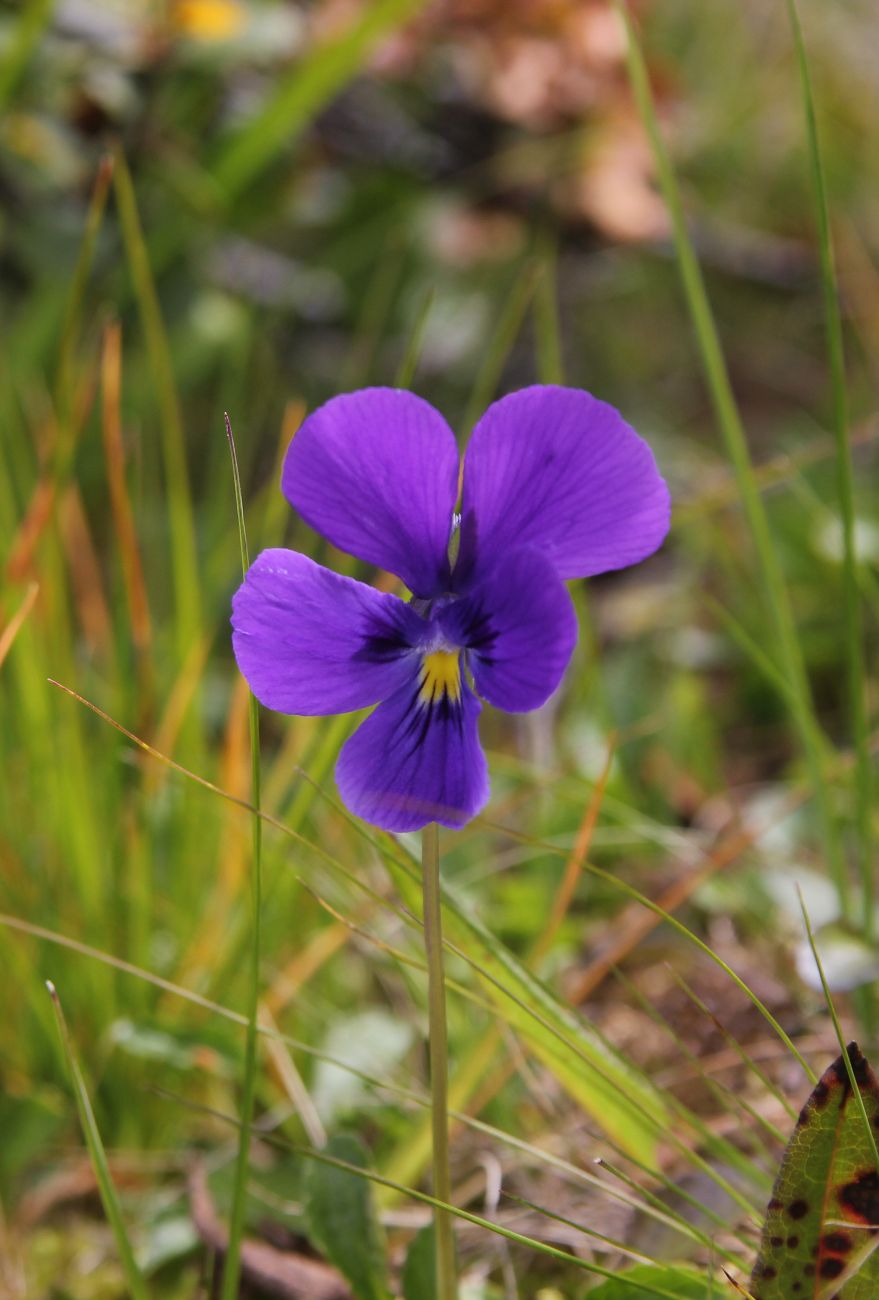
x=653, y=1280
x=419, y=1270
x=624, y=1103
x=817, y=1238
x=342, y=1222
x=133, y=1276
x=276, y=225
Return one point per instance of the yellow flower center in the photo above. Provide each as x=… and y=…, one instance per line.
x=440, y=675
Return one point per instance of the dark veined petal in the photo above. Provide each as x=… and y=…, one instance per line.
x=557, y=469
x=519, y=628
x=416, y=760
x=376, y=472
x=310, y=641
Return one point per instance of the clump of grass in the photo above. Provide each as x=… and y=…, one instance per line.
x=134, y=860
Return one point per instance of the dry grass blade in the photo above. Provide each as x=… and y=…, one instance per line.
x=14, y=626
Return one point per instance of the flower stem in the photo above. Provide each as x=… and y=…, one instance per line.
x=232, y=1267
x=446, y=1285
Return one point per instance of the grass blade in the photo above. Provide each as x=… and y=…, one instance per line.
x=32, y=22
x=550, y=366
x=840, y=1037
x=136, y=1284
x=232, y=1269
x=184, y=562
x=500, y=345
x=731, y=427
x=321, y=75
x=409, y=364
x=853, y=622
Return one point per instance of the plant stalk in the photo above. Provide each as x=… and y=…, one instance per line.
x=232, y=1267
x=446, y=1284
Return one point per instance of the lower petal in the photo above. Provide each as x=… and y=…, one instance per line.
x=519, y=628
x=413, y=762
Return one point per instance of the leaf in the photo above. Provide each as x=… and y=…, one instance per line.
x=342, y=1220
x=654, y=1279
x=826, y=1197
x=419, y=1271
x=301, y=95
x=372, y=1042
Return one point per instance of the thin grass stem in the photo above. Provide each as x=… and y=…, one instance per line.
x=550, y=365
x=853, y=622
x=412, y=355
x=730, y=423
x=446, y=1287
x=500, y=344
x=137, y=1286
x=181, y=518
x=232, y=1270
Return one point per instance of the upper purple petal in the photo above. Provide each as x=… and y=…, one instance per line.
x=411, y=763
x=376, y=472
x=557, y=469
x=520, y=630
x=310, y=641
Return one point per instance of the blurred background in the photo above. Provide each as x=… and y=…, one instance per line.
x=223, y=205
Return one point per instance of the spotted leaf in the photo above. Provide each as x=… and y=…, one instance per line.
x=822, y=1223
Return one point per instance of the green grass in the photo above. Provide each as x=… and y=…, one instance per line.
x=243, y=252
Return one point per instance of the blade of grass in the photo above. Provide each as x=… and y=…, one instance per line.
x=32, y=22
x=134, y=1278
x=751, y=649
x=744, y=1056
x=495, y=356
x=64, y=382
x=663, y=1214
x=232, y=1268
x=550, y=366
x=412, y=356
x=184, y=561
x=732, y=430
x=321, y=74
x=412, y=1152
x=10, y=631
x=853, y=621
x=133, y=580
x=375, y=311
x=425, y=1198
x=559, y=1029
x=840, y=1037
x=616, y=882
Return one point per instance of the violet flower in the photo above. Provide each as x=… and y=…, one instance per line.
x=556, y=486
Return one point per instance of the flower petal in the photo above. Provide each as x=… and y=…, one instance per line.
x=557, y=469
x=411, y=763
x=376, y=472
x=310, y=641
x=520, y=629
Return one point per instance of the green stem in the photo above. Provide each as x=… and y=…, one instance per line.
x=729, y=419
x=232, y=1270
x=137, y=1287
x=446, y=1286
x=852, y=614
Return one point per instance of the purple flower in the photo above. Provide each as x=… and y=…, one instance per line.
x=556, y=486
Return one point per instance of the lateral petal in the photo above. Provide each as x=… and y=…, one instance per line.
x=310, y=641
